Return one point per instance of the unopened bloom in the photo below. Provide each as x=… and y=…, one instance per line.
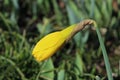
x=52, y=42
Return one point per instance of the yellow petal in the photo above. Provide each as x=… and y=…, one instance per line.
x=67, y=31
x=47, y=46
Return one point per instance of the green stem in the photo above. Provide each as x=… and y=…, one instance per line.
x=107, y=64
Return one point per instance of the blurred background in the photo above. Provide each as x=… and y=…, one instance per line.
x=24, y=22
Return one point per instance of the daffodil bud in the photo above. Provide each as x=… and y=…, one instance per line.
x=52, y=42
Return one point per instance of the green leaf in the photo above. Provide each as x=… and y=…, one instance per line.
x=61, y=75
x=79, y=64
x=57, y=11
x=75, y=9
x=48, y=70
x=15, y=4
x=72, y=17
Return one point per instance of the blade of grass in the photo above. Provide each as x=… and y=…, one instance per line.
x=107, y=64
x=5, y=21
x=97, y=78
x=17, y=68
x=57, y=12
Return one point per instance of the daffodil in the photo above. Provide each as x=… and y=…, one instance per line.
x=52, y=42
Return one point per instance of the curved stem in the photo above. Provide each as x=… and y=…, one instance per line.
x=80, y=26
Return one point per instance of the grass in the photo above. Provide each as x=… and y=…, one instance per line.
x=23, y=23
x=107, y=64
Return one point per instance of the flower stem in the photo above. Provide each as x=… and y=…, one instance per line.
x=107, y=64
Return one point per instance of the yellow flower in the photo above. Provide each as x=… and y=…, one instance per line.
x=49, y=44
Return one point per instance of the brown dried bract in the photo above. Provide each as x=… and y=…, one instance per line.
x=80, y=26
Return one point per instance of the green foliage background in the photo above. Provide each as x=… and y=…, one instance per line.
x=24, y=22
